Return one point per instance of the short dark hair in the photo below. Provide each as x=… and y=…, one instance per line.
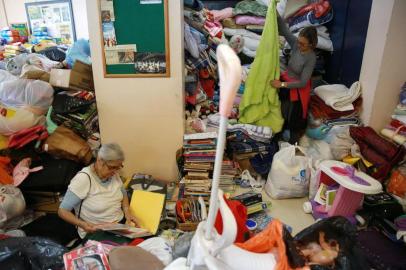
x=310, y=33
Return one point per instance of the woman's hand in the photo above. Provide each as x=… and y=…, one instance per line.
x=276, y=83
x=88, y=227
x=129, y=218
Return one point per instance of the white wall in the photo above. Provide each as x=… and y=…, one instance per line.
x=15, y=10
x=384, y=65
x=3, y=17
x=143, y=115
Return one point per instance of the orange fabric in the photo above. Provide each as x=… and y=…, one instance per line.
x=397, y=184
x=5, y=171
x=270, y=240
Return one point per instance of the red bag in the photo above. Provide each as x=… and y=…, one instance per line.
x=25, y=136
x=240, y=215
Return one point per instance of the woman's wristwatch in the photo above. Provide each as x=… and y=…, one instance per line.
x=283, y=84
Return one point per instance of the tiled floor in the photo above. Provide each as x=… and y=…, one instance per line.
x=289, y=211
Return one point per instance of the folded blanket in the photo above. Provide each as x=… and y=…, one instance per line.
x=370, y=137
x=241, y=32
x=338, y=96
x=230, y=24
x=320, y=110
x=246, y=19
x=250, y=7
x=392, y=135
x=382, y=153
x=219, y=15
x=400, y=118
x=309, y=19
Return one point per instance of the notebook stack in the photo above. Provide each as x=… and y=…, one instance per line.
x=199, y=151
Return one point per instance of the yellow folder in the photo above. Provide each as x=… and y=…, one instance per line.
x=147, y=208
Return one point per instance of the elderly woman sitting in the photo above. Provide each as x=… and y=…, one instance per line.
x=97, y=193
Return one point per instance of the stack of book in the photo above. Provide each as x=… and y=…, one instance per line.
x=229, y=171
x=199, y=151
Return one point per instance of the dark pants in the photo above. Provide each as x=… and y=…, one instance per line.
x=292, y=112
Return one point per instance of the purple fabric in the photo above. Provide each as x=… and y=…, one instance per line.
x=350, y=172
x=246, y=19
x=400, y=223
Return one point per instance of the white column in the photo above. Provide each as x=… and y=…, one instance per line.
x=384, y=64
x=144, y=115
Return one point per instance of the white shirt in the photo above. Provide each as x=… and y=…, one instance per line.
x=102, y=200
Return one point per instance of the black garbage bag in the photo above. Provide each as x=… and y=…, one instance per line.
x=31, y=253
x=341, y=230
x=54, y=53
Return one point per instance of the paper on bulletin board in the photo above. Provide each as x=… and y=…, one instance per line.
x=147, y=208
x=120, y=54
x=149, y=2
x=107, y=11
x=109, y=34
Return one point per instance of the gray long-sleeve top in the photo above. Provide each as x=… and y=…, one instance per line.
x=300, y=65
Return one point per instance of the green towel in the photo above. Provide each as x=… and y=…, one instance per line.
x=260, y=104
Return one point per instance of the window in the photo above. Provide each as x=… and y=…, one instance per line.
x=56, y=16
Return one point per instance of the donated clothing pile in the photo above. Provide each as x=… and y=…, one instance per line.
x=396, y=130
x=40, y=149
x=10, y=36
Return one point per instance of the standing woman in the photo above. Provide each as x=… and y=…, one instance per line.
x=295, y=83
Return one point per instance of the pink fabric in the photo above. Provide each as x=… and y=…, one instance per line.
x=215, y=29
x=219, y=15
x=246, y=20
x=22, y=170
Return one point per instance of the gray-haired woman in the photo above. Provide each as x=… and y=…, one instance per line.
x=97, y=193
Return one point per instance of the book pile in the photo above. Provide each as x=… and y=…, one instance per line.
x=229, y=170
x=199, y=151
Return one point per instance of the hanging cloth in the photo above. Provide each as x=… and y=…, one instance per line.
x=260, y=104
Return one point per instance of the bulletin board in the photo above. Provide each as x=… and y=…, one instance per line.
x=135, y=38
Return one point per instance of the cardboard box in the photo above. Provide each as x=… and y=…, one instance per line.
x=80, y=77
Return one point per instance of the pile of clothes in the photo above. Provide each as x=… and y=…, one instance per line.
x=396, y=130
x=10, y=35
x=42, y=125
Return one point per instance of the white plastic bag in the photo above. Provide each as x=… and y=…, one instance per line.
x=18, y=120
x=158, y=247
x=6, y=76
x=290, y=174
x=12, y=203
x=35, y=96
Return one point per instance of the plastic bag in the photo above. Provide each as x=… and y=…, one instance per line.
x=15, y=64
x=290, y=174
x=158, y=247
x=12, y=204
x=316, y=149
x=43, y=62
x=342, y=231
x=269, y=240
x=35, y=96
x=80, y=50
x=31, y=253
x=18, y=120
x=6, y=76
